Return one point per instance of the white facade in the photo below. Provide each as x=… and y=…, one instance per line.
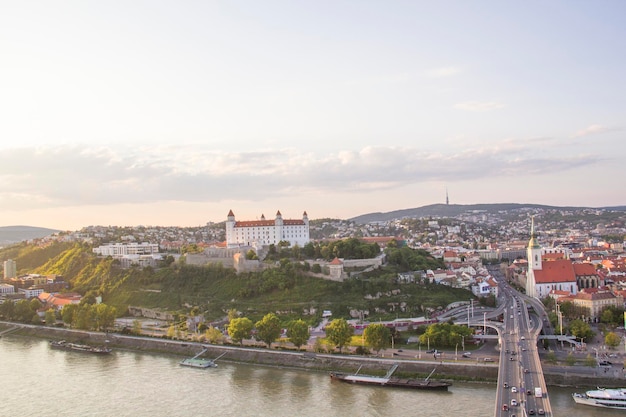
x=266, y=232
x=125, y=249
x=7, y=289
x=30, y=292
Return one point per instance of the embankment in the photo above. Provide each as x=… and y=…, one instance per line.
x=272, y=357
x=462, y=371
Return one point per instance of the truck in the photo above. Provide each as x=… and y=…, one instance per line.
x=538, y=392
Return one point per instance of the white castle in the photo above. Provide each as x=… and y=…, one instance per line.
x=266, y=232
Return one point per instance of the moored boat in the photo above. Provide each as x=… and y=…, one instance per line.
x=603, y=397
x=76, y=347
x=389, y=381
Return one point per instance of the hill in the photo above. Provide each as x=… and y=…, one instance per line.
x=452, y=210
x=15, y=234
x=215, y=290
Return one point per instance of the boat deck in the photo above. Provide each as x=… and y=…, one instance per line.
x=198, y=363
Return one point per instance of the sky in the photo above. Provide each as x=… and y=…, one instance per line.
x=172, y=113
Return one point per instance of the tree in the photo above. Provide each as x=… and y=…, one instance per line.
x=377, y=336
x=232, y=314
x=50, y=317
x=136, y=327
x=171, y=331
x=35, y=319
x=104, y=316
x=24, y=311
x=214, y=335
x=298, y=332
x=339, y=332
x=606, y=316
x=580, y=329
x=68, y=312
x=268, y=329
x=7, y=310
x=612, y=340
x=239, y=329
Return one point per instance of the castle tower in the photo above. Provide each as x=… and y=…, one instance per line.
x=278, y=224
x=230, y=229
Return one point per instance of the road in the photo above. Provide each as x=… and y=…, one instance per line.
x=520, y=372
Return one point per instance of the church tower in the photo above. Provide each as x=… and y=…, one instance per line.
x=533, y=254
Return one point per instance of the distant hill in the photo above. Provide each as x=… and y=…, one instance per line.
x=451, y=210
x=15, y=234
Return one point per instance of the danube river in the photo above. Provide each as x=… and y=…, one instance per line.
x=38, y=381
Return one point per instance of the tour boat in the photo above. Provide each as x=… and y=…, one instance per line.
x=603, y=397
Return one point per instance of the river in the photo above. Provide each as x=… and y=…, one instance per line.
x=38, y=381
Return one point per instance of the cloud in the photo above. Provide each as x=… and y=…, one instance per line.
x=80, y=175
x=590, y=130
x=479, y=106
x=443, y=72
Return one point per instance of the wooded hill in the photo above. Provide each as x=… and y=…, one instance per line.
x=286, y=288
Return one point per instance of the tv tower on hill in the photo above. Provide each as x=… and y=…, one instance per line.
x=447, y=199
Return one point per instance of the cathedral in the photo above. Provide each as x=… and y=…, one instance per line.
x=266, y=232
x=544, y=276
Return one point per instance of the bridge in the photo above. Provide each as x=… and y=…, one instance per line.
x=521, y=386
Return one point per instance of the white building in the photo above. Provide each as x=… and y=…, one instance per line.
x=10, y=269
x=30, y=292
x=7, y=289
x=266, y=232
x=117, y=250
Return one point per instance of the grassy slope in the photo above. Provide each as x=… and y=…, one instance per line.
x=216, y=289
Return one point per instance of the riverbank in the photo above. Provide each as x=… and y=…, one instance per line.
x=565, y=376
x=271, y=357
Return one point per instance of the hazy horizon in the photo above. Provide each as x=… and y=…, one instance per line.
x=159, y=113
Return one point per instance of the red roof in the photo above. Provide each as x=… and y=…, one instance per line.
x=255, y=223
x=584, y=269
x=555, y=271
x=552, y=256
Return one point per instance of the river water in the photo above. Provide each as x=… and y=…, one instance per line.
x=38, y=381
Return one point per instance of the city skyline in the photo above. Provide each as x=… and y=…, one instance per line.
x=155, y=113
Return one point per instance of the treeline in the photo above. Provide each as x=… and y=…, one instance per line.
x=351, y=248
x=79, y=316
x=407, y=259
x=445, y=335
